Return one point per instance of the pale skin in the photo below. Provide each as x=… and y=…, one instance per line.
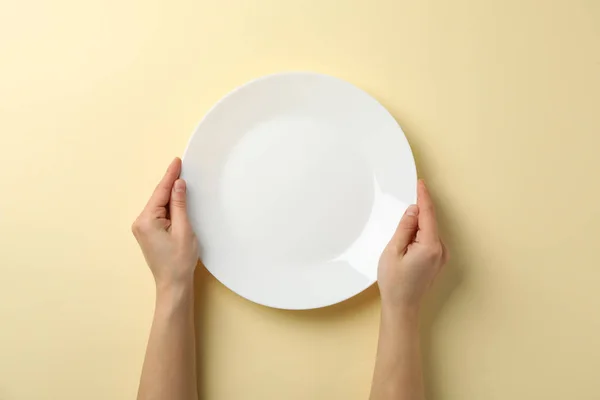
x=171, y=251
x=407, y=268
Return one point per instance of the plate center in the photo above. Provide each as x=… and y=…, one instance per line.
x=294, y=189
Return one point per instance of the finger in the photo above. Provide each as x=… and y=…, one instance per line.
x=427, y=222
x=407, y=228
x=162, y=193
x=178, y=205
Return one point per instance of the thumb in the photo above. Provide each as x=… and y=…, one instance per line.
x=407, y=228
x=178, y=204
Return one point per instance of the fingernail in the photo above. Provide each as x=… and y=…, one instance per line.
x=179, y=186
x=412, y=210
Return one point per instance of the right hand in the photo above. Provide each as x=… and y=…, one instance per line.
x=413, y=257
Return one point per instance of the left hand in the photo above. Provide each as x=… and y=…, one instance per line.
x=165, y=234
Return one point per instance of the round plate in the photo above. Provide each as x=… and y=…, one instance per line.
x=296, y=182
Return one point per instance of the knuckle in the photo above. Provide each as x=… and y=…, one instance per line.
x=435, y=251
x=139, y=227
x=179, y=203
x=429, y=209
x=135, y=227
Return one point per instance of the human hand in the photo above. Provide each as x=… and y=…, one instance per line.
x=164, y=233
x=413, y=257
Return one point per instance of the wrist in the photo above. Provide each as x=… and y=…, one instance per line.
x=400, y=313
x=174, y=294
x=167, y=281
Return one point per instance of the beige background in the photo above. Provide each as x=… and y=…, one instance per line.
x=500, y=100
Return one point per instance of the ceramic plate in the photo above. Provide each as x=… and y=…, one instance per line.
x=296, y=182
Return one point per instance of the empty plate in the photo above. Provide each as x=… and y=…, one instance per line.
x=296, y=182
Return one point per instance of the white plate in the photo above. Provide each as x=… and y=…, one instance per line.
x=296, y=182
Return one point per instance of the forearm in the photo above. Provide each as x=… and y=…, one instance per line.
x=169, y=371
x=398, y=373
